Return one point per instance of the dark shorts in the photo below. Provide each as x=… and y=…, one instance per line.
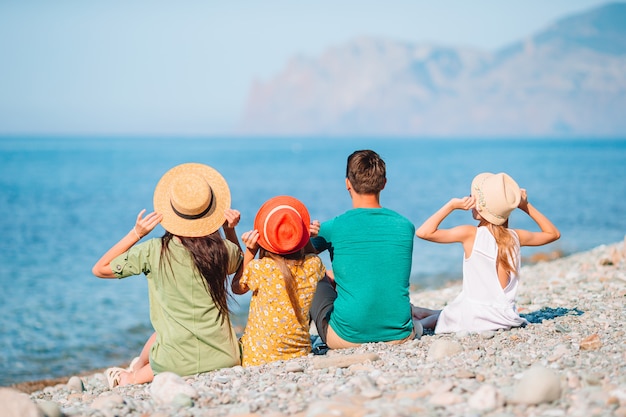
x=322, y=306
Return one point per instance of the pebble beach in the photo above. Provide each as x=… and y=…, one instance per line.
x=569, y=361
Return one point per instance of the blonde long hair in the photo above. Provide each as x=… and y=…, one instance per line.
x=506, y=245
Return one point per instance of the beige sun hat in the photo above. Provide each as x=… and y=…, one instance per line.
x=497, y=195
x=192, y=198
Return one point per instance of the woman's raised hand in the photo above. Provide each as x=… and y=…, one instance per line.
x=145, y=225
x=465, y=203
x=232, y=218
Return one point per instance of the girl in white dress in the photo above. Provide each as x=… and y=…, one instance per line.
x=491, y=256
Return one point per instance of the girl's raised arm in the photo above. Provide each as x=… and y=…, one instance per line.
x=549, y=232
x=429, y=230
x=143, y=226
x=250, y=239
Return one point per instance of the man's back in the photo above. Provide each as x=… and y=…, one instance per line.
x=372, y=254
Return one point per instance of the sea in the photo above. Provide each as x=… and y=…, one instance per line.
x=64, y=201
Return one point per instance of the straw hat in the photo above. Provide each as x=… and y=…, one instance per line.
x=192, y=199
x=283, y=225
x=497, y=195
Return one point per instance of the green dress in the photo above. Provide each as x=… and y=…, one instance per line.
x=190, y=337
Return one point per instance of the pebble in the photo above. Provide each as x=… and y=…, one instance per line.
x=442, y=348
x=486, y=398
x=538, y=385
x=592, y=342
x=49, y=408
x=18, y=404
x=75, y=384
x=569, y=360
x=342, y=361
x=168, y=388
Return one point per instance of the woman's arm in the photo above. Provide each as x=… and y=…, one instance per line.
x=429, y=230
x=232, y=220
x=143, y=226
x=549, y=232
x=250, y=239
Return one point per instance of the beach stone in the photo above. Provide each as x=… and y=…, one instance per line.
x=538, y=385
x=562, y=329
x=593, y=379
x=294, y=367
x=182, y=400
x=592, y=342
x=489, y=334
x=486, y=398
x=245, y=415
x=107, y=401
x=465, y=374
x=557, y=353
x=75, y=384
x=366, y=386
x=444, y=399
x=18, y=404
x=573, y=381
x=49, y=408
x=222, y=379
x=440, y=386
x=166, y=386
x=335, y=409
x=75, y=396
x=343, y=361
x=442, y=348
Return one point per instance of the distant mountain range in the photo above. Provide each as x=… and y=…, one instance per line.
x=568, y=81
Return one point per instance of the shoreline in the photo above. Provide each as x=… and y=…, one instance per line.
x=435, y=375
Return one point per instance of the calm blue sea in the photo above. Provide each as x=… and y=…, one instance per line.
x=64, y=202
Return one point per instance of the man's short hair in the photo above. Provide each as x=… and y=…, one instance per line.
x=366, y=171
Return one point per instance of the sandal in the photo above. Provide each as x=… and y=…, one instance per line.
x=114, y=376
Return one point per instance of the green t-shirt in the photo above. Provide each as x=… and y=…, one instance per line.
x=372, y=255
x=190, y=337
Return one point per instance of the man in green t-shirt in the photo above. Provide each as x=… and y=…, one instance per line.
x=371, y=251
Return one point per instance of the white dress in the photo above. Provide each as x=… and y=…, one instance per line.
x=483, y=304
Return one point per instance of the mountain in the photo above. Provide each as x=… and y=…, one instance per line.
x=568, y=80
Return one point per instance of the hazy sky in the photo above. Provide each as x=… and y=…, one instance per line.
x=185, y=68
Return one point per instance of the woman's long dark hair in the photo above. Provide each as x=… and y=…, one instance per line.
x=291, y=285
x=211, y=259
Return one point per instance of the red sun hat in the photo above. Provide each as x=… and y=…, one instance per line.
x=283, y=225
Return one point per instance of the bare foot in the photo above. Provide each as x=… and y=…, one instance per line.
x=126, y=378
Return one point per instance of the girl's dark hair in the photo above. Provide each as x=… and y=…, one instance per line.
x=211, y=259
x=285, y=262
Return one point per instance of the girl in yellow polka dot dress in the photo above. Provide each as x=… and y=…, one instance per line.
x=283, y=281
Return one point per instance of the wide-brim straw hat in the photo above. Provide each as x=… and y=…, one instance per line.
x=192, y=198
x=497, y=195
x=283, y=225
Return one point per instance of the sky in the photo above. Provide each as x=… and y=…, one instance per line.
x=152, y=67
